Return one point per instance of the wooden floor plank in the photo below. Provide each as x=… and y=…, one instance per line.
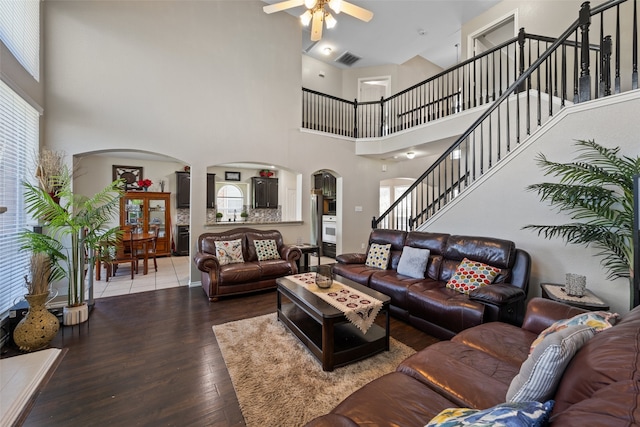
x=152, y=359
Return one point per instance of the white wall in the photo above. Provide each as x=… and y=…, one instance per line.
x=500, y=206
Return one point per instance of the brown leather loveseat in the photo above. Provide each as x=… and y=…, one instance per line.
x=247, y=274
x=600, y=386
x=427, y=303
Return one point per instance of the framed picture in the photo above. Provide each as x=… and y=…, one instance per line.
x=130, y=174
x=232, y=176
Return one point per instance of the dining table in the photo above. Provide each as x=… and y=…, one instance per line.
x=140, y=241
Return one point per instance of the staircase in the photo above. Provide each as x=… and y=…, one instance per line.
x=523, y=83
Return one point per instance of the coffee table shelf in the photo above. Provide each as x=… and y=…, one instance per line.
x=325, y=331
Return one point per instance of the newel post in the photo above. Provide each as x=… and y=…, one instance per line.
x=584, y=21
x=521, y=40
x=355, y=118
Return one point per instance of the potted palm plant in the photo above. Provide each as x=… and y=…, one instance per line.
x=83, y=221
x=596, y=190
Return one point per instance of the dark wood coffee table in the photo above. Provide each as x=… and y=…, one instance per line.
x=324, y=329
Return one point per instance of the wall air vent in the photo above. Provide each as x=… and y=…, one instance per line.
x=347, y=59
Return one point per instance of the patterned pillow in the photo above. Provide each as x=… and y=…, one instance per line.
x=378, y=256
x=534, y=414
x=229, y=251
x=471, y=275
x=540, y=374
x=266, y=249
x=597, y=320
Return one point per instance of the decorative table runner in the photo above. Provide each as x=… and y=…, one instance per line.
x=360, y=309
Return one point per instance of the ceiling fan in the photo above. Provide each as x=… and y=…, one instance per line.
x=316, y=13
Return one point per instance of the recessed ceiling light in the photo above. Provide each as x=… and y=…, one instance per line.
x=411, y=155
x=327, y=51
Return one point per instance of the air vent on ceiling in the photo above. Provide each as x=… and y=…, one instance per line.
x=347, y=59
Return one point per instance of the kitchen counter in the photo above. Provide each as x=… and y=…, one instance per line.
x=231, y=224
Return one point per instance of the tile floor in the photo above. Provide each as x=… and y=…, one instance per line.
x=172, y=272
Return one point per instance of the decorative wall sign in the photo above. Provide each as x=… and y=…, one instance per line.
x=232, y=176
x=130, y=174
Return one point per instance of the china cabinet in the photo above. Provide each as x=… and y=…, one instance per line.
x=140, y=209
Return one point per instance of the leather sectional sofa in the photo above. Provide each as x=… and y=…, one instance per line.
x=599, y=387
x=427, y=303
x=219, y=279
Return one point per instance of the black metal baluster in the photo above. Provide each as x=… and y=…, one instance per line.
x=617, y=72
x=634, y=48
x=584, y=86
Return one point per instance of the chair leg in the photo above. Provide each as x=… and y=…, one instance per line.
x=133, y=264
x=155, y=263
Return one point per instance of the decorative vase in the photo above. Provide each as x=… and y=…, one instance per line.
x=36, y=330
x=324, y=277
x=146, y=188
x=74, y=315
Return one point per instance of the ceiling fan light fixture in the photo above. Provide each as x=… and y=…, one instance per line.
x=329, y=20
x=335, y=5
x=305, y=18
x=310, y=4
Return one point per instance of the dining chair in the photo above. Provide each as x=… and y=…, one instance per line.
x=123, y=255
x=150, y=248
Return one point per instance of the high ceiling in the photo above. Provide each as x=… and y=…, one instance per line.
x=399, y=31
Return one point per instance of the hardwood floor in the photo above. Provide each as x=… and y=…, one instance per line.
x=151, y=358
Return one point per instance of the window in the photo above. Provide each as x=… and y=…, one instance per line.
x=230, y=202
x=20, y=32
x=18, y=144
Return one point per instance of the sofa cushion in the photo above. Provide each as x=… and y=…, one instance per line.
x=541, y=372
x=395, y=285
x=275, y=268
x=378, y=256
x=240, y=273
x=597, y=320
x=501, y=340
x=266, y=249
x=229, y=251
x=413, y=262
x=471, y=275
x=525, y=414
x=359, y=273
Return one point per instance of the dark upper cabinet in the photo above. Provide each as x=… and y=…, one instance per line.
x=265, y=192
x=326, y=182
x=211, y=190
x=183, y=189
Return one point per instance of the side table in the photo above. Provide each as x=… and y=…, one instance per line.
x=306, y=249
x=589, y=301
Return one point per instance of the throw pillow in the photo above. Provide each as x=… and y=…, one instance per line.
x=471, y=275
x=266, y=249
x=523, y=414
x=378, y=256
x=540, y=373
x=597, y=320
x=413, y=262
x=229, y=251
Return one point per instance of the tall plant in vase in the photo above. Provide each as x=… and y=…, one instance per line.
x=597, y=191
x=83, y=221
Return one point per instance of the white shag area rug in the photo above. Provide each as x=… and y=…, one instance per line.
x=277, y=380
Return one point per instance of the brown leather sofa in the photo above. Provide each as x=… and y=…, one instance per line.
x=427, y=303
x=249, y=276
x=600, y=386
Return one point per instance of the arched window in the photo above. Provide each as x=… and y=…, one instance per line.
x=230, y=201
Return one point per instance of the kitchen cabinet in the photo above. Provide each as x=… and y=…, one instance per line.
x=183, y=189
x=182, y=240
x=326, y=182
x=140, y=209
x=211, y=190
x=265, y=192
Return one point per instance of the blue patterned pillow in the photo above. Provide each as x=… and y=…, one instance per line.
x=521, y=414
x=378, y=256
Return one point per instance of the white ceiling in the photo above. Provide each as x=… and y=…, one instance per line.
x=399, y=31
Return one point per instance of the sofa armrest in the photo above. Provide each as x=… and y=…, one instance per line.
x=497, y=294
x=206, y=262
x=331, y=420
x=351, y=258
x=542, y=313
x=290, y=253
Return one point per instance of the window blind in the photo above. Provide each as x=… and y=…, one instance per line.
x=20, y=32
x=18, y=145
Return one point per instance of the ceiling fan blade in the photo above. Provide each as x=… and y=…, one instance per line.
x=316, y=26
x=277, y=7
x=356, y=11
